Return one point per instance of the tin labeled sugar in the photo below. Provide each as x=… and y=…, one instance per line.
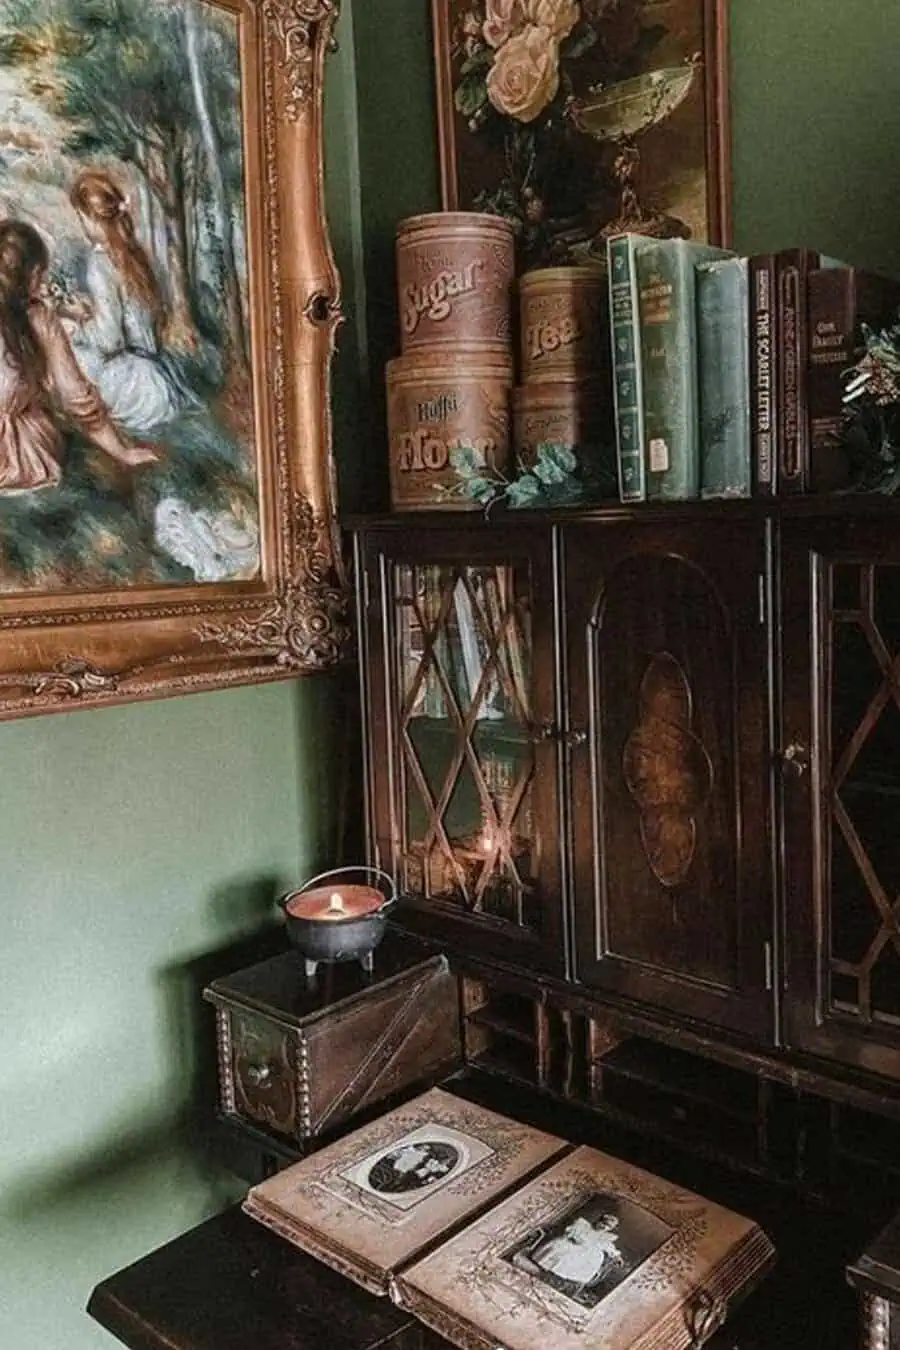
x=455, y=273
x=436, y=404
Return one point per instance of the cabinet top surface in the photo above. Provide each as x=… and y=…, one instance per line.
x=823, y=506
x=280, y=987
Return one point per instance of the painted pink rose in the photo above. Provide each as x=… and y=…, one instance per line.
x=503, y=19
x=525, y=75
x=560, y=16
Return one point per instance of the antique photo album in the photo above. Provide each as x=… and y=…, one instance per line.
x=372, y=1201
x=593, y=1254
x=501, y=1237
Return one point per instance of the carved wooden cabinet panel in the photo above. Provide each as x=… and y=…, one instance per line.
x=840, y=758
x=668, y=681
x=463, y=746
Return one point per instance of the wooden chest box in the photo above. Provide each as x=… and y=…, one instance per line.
x=297, y=1057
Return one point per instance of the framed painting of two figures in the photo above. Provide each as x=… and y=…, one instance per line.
x=168, y=306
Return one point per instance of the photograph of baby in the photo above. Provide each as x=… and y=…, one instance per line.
x=590, y=1249
x=412, y=1167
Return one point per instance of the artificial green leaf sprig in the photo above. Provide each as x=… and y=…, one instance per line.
x=870, y=434
x=556, y=478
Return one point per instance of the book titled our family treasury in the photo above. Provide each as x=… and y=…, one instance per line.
x=500, y=1237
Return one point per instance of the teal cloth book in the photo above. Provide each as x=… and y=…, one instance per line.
x=669, y=371
x=627, y=396
x=723, y=357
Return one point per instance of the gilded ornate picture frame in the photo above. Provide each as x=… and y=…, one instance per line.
x=577, y=119
x=168, y=309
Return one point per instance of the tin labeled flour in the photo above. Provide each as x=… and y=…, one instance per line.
x=455, y=274
x=436, y=404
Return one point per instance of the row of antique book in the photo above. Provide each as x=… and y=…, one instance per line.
x=502, y=1237
x=728, y=371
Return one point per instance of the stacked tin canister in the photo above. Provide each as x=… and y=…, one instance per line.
x=454, y=383
x=451, y=385
x=563, y=398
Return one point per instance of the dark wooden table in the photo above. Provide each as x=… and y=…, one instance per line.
x=230, y=1284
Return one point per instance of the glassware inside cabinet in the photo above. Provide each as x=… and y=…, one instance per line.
x=464, y=674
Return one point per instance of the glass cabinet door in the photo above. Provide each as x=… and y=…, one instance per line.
x=468, y=727
x=841, y=786
x=466, y=751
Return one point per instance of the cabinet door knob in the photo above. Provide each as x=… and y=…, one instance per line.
x=258, y=1075
x=549, y=731
x=795, y=759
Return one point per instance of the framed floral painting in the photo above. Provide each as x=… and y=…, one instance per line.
x=168, y=305
x=577, y=119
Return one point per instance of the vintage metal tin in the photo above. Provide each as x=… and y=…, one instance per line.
x=575, y=414
x=434, y=405
x=455, y=272
x=564, y=323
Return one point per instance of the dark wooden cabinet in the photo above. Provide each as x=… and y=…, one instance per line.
x=668, y=675
x=701, y=701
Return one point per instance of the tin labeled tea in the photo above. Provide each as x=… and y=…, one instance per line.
x=574, y=414
x=455, y=274
x=434, y=406
x=564, y=323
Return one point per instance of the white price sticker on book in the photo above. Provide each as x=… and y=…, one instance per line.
x=659, y=455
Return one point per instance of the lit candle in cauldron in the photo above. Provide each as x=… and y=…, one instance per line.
x=331, y=903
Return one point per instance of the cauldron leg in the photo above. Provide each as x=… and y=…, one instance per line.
x=368, y=962
x=310, y=967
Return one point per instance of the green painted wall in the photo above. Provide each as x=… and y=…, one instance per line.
x=142, y=846
x=141, y=849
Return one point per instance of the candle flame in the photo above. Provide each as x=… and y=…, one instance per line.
x=336, y=901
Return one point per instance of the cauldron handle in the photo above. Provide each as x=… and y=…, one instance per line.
x=342, y=871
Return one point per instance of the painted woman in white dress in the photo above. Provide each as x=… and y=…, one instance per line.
x=118, y=342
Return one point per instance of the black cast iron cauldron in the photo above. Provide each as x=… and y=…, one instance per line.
x=337, y=921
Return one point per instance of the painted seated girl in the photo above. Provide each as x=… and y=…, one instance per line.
x=40, y=378
x=119, y=331
x=204, y=513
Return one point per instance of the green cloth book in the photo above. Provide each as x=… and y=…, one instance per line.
x=723, y=355
x=669, y=367
x=626, y=365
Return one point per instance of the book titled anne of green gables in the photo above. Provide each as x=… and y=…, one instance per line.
x=666, y=285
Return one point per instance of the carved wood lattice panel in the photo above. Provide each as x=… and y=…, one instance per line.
x=862, y=791
x=463, y=663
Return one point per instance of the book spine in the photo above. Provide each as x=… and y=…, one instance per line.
x=791, y=338
x=626, y=369
x=724, y=378
x=832, y=320
x=665, y=274
x=763, y=393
